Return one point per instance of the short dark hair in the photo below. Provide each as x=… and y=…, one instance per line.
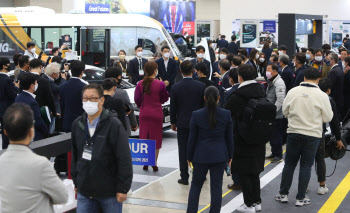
x=113, y=72
x=186, y=67
x=242, y=57
x=200, y=47
x=230, y=57
x=326, y=47
x=237, y=60
x=30, y=44
x=35, y=63
x=57, y=59
x=55, y=49
x=138, y=46
x=282, y=47
x=224, y=50
x=16, y=58
x=335, y=57
x=77, y=67
x=301, y=58
x=27, y=79
x=312, y=74
x=243, y=52
x=122, y=51
x=347, y=60
x=23, y=61
x=274, y=58
x=233, y=37
x=97, y=87
x=225, y=64
x=233, y=73
x=343, y=50
x=273, y=66
x=202, y=67
x=247, y=72
x=165, y=47
x=109, y=83
x=312, y=50
x=4, y=61
x=317, y=50
x=223, y=36
x=325, y=84
x=18, y=120
x=303, y=49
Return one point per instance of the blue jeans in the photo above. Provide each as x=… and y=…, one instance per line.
x=298, y=147
x=107, y=205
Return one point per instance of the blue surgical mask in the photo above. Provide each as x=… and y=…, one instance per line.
x=308, y=56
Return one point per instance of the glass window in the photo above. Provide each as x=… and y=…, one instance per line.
x=36, y=36
x=56, y=37
x=10, y=45
x=152, y=40
x=123, y=38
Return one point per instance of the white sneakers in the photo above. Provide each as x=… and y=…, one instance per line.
x=282, y=198
x=305, y=201
x=322, y=190
x=245, y=209
x=257, y=207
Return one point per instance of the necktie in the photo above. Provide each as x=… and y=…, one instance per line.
x=140, y=64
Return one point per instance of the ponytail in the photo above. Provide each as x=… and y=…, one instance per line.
x=211, y=96
x=150, y=68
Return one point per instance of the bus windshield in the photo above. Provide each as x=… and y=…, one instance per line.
x=172, y=44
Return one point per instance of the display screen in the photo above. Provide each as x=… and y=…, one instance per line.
x=304, y=27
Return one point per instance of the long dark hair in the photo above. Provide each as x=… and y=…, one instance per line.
x=211, y=95
x=150, y=68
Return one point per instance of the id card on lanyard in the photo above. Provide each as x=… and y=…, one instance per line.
x=88, y=147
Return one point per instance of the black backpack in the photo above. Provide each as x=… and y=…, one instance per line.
x=257, y=120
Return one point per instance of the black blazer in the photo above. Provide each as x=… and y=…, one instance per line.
x=194, y=61
x=216, y=69
x=8, y=93
x=299, y=75
x=55, y=92
x=336, y=75
x=206, y=81
x=41, y=130
x=20, y=73
x=267, y=52
x=71, y=102
x=207, y=145
x=170, y=73
x=116, y=105
x=347, y=90
x=186, y=96
x=44, y=95
x=222, y=43
x=134, y=69
x=287, y=76
x=233, y=48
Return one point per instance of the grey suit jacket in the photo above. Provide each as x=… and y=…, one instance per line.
x=28, y=182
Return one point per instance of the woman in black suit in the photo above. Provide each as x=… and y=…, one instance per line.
x=253, y=57
x=210, y=148
x=267, y=49
x=262, y=64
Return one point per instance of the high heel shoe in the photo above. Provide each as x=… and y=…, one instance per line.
x=155, y=168
x=145, y=168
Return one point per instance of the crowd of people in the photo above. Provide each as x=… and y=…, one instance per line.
x=224, y=112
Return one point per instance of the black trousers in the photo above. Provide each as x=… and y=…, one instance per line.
x=5, y=140
x=250, y=185
x=200, y=171
x=320, y=163
x=284, y=127
x=182, y=140
x=276, y=140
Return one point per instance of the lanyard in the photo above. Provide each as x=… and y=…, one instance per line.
x=89, y=140
x=126, y=66
x=308, y=85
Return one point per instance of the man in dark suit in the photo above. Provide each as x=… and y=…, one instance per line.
x=244, y=54
x=136, y=66
x=167, y=68
x=222, y=42
x=186, y=96
x=287, y=73
x=70, y=94
x=23, y=62
x=233, y=46
x=336, y=76
x=223, y=54
x=224, y=66
x=200, y=51
x=44, y=95
x=8, y=93
x=300, y=67
x=202, y=72
x=29, y=85
x=233, y=74
x=343, y=55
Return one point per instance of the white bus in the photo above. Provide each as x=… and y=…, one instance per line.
x=96, y=38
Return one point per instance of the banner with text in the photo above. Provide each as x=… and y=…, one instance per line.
x=269, y=26
x=249, y=33
x=143, y=152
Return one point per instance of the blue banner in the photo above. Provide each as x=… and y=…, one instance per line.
x=143, y=152
x=269, y=26
x=97, y=8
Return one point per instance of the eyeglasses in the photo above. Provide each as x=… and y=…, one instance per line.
x=92, y=99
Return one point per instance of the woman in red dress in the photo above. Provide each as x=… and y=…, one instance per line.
x=150, y=94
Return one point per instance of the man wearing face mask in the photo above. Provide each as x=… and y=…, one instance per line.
x=8, y=93
x=223, y=53
x=101, y=159
x=200, y=51
x=29, y=85
x=282, y=50
x=275, y=93
x=317, y=61
x=167, y=68
x=310, y=55
x=30, y=51
x=136, y=66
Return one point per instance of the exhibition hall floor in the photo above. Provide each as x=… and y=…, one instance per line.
x=159, y=192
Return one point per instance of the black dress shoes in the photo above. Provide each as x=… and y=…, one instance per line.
x=183, y=182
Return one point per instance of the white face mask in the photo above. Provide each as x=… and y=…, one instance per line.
x=318, y=58
x=122, y=57
x=256, y=56
x=222, y=56
x=139, y=54
x=90, y=107
x=280, y=53
x=200, y=55
x=33, y=50
x=262, y=60
x=166, y=55
x=36, y=87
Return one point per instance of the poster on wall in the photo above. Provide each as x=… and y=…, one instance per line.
x=249, y=33
x=337, y=40
x=269, y=26
x=177, y=17
x=118, y=6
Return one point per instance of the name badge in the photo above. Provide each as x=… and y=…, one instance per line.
x=87, y=153
x=141, y=72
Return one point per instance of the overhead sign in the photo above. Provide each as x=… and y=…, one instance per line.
x=249, y=33
x=97, y=8
x=269, y=26
x=143, y=152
